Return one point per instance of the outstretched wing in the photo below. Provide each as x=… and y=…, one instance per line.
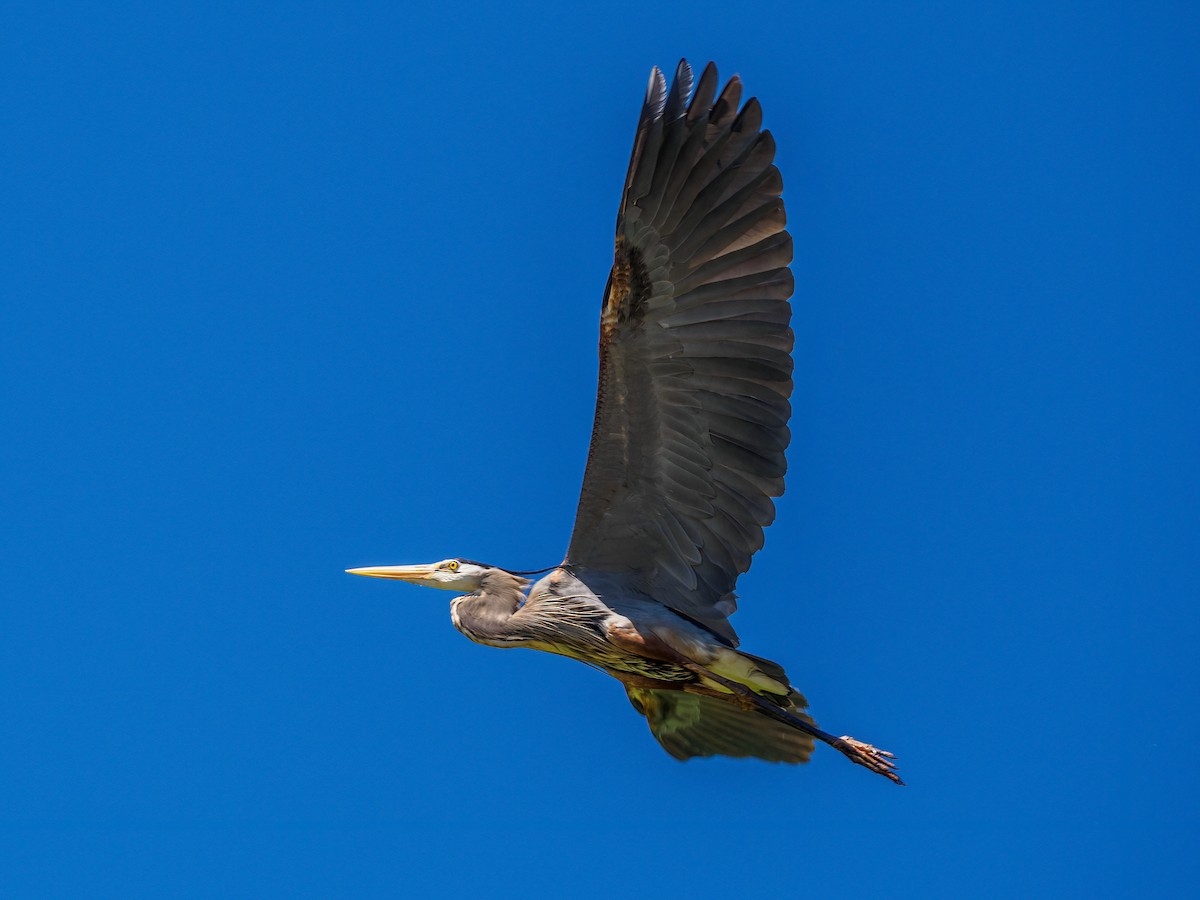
x=695, y=355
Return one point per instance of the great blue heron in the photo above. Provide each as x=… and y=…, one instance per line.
x=687, y=448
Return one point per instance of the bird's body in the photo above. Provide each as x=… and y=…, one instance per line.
x=585, y=620
x=656, y=653
x=687, y=447
x=564, y=615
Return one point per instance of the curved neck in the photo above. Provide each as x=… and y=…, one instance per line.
x=485, y=615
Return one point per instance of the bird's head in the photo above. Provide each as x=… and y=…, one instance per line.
x=461, y=575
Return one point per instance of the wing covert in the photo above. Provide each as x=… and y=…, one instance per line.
x=692, y=404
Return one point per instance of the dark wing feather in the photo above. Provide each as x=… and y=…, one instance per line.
x=695, y=355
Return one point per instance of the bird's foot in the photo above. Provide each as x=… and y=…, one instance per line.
x=878, y=761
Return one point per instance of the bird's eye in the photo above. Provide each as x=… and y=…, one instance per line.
x=452, y=565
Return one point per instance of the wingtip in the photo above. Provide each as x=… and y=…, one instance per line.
x=656, y=91
x=681, y=90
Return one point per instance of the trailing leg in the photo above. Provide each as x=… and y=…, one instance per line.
x=878, y=761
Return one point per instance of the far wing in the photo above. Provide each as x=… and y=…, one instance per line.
x=688, y=725
x=695, y=355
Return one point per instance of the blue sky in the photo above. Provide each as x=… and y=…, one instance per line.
x=292, y=288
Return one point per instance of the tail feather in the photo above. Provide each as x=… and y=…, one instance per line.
x=768, y=667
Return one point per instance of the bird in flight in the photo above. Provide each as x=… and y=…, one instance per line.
x=687, y=447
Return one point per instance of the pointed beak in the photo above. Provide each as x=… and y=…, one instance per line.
x=412, y=574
